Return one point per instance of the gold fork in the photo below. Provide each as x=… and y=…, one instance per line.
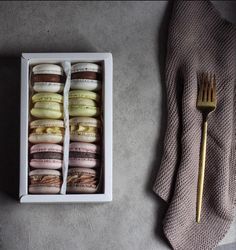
x=206, y=103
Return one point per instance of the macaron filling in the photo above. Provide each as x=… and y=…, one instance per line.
x=86, y=75
x=48, y=130
x=47, y=97
x=48, y=180
x=74, y=154
x=47, y=155
x=48, y=78
x=47, y=68
x=81, y=67
x=82, y=179
x=84, y=94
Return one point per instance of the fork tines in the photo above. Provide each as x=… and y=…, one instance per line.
x=207, y=88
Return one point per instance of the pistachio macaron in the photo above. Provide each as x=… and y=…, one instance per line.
x=48, y=78
x=47, y=105
x=83, y=103
x=85, y=129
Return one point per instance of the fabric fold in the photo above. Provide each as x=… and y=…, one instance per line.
x=199, y=40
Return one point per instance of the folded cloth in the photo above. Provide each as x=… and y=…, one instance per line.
x=199, y=40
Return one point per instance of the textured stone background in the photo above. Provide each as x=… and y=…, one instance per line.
x=135, y=33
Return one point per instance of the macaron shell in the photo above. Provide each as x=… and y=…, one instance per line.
x=46, y=113
x=86, y=121
x=80, y=67
x=84, y=137
x=46, y=163
x=84, y=162
x=82, y=101
x=44, y=189
x=52, y=87
x=47, y=97
x=44, y=172
x=81, y=110
x=81, y=189
x=45, y=138
x=47, y=68
x=38, y=148
x=85, y=84
x=84, y=147
x=84, y=94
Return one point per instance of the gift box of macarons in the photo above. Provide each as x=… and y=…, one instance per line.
x=66, y=128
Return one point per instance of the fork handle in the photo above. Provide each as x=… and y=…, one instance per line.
x=201, y=170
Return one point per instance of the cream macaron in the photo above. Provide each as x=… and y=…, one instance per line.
x=46, y=131
x=85, y=129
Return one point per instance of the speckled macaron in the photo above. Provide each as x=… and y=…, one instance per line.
x=86, y=76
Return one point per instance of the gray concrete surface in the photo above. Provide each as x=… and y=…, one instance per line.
x=135, y=33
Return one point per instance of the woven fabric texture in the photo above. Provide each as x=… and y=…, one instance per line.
x=199, y=40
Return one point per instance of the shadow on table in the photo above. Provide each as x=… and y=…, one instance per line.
x=9, y=125
x=10, y=67
x=153, y=170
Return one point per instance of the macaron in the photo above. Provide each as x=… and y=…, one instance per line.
x=44, y=181
x=83, y=103
x=47, y=97
x=47, y=105
x=84, y=155
x=46, y=156
x=85, y=129
x=74, y=94
x=83, y=107
x=82, y=180
x=86, y=76
x=46, y=131
x=48, y=78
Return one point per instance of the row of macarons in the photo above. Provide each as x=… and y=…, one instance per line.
x=82, y=129
x=46, y=159
x=48, y=80
x=49, y=181
x=50, y=105
x=51, y=77
x=46, y=155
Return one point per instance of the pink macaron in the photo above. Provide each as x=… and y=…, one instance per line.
x=84, y=154
x=82, y=180
x=46, y=156
x=44, y=181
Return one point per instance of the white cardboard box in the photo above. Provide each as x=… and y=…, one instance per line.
x=29, y=59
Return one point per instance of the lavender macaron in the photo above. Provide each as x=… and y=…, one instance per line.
x=84, y=154
x=46, y=156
